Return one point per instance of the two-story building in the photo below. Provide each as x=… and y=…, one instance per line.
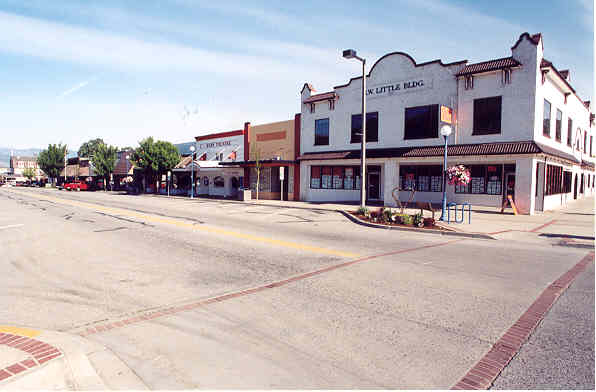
x=210, y=177
x=18, y=164
x=520, y=128
x=272, y=148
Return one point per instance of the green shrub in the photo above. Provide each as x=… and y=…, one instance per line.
x=387, y=214
x=404, y=219
x=363, y=211
x=417, y=220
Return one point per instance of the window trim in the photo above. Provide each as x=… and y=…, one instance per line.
x=333, y=168
x=500, y=173
x=416, y=181
x=558, y=125
x=315, y=132
x=435, y=121
x=482, y=132
x=550, y=109
x=368, y=140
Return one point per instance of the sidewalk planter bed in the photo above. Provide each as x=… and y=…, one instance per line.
x=389, y=217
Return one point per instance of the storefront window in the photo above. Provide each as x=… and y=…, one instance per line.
x=335, y=177
x=493, y=184
x=315, y=177
x=436, y=179
x=554, y=180
x=218, y=182
x=349, y=178
x=484, y=179
x=423, y=178
x=478, y=174
x=338, y=177
x=326, y=177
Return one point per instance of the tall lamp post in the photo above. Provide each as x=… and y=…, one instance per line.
x=192, y=176
x=445, y=132
x=351, y=54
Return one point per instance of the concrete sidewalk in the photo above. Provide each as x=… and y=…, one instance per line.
x=33, y=359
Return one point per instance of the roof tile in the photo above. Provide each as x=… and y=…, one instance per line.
x=487, y=66
x=321, y=97
x=500, y=148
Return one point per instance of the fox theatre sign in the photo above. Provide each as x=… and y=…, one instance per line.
x=398, y=87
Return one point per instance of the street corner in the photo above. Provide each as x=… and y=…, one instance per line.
x=22, y=352
x=42, y=359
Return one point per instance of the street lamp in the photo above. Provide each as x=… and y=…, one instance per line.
x=445, y=132
x=127, y=158
x=192, y=176
x=351, y=54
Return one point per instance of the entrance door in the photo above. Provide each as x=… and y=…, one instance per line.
x=286, y=182
x=575, y=187
x=373, y=186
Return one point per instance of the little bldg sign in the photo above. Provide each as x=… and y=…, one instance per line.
x=394, y=88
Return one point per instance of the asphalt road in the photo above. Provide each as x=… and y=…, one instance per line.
x=408, y=310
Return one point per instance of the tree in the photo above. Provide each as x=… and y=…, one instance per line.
x=29, y=173
x=257, y=156
x=155, y=157
x=104, y=160
x=89, y=148
x=51, y=160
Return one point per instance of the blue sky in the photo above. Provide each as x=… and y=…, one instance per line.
x=174, y=69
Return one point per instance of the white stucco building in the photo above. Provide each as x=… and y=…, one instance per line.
x=519, y=127
x=210, y=176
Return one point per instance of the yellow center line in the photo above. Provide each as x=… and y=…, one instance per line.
x=30, y=333
x=192, y=226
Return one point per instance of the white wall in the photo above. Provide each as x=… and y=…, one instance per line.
x=517, y=102
x=226, y=145
x=391, y=108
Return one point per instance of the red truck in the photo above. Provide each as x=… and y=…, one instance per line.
x=76, y=186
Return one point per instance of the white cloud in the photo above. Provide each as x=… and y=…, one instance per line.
x=56, y=41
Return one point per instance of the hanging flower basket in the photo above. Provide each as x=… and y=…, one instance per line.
x=458, y=175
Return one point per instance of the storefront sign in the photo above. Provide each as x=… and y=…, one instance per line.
x=203, y=146
x=446, y=115
x=394, y=88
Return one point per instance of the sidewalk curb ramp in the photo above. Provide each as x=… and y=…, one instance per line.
x=83, y=365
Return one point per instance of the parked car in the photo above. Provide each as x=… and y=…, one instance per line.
x=76, y=186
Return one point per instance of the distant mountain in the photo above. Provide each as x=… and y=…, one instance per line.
x=26, y=152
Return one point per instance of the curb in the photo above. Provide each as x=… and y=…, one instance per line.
x=573, y=244
x=61, y=360
x=38, y=351
x=414, y=229
x=486, y=371
x=241, y=202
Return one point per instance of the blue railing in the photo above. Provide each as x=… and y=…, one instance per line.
x=455, y=209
